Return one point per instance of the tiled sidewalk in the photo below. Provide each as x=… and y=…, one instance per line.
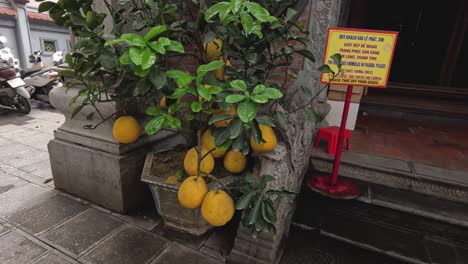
x=39, y=224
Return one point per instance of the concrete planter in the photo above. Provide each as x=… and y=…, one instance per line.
x=174, y=215
x=91, y=164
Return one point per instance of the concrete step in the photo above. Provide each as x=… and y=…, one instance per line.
x=406, y=186
x=404, y=236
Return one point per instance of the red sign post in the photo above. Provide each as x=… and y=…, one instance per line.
x=366, y=60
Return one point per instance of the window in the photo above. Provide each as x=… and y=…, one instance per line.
x=49, y=45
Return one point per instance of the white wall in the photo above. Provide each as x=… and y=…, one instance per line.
x=7, y=29
x=39, y=33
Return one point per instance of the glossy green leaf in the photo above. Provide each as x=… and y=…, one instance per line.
x=216, y=118
x=259, y=12
x=306, y=54
x=148, y=58
x=256, y=132
x=172, y=122
x=234, y=98
x=272, y=93
x=158, y=78
x=175, y=46
x=215, y=9
x=247, y=111
x=268, y=212
x=46, y=6
x=203, y=92
x=235, y=128
x=325, y=69
x=196, y=107
x=136, y=55
x=134, y=39
x=153, y=32
x=258, y=89
x=205, y=68
x=259, y=98
x=247, y=22
x=154, y=125
x=221, y=135
x=245, y=200
x=265, y=120
x=153, y=110
x=238, y=85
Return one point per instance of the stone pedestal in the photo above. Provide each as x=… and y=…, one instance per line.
x=91, y=164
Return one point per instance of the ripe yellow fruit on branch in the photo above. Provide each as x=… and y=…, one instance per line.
x=191, y=162
x=213, y=49
x=208, y=142
x=191, y=192
x=268, y=136
x=217, y=208
x=224, y=123
x=220, y=71
x=235, y=161
x=163, y=102
x=126, y=129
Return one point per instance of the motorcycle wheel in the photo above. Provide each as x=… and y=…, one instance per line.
x=23, y=105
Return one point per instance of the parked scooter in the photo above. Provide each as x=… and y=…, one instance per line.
x=12, y=90
x=40, y=81
x=57, y=58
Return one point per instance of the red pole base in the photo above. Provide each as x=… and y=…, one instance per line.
x=343, y=189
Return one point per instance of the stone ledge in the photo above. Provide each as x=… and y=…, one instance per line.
x=387, y=182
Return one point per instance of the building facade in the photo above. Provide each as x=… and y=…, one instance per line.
x=27, y=30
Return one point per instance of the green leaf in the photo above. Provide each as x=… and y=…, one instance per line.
x=235, y=5
x=158, y=78
x=46, y=6
x=158, y=47
x=172, y=122
x=154, y=125
x=215, y=90
x=175, y=107
x=196, y=107
x=291, y=14
x=336, y=59
x=148, y=58
x=183, y=79
x=247, y=22
x=259, y=98
x=179, y=174
x=178, y=93
x=77, y=19
x=306, y=54
x=153, y=110
x=245, y=200
x=238, y=143
x=268, y=212
x=203, y=92
x=255, y=213
x=175, y=46
x=259, y=12
x=217, y=118
x=258, y=89
x=164, y=41
x=256, y=132
x=142, y=87
x=282, y=118
x=272, y=93
x=125, y=58
x=325, y=69
x=265, y=120
x=238, y=85
x=113, y=41
x=90, y=116
x=264, y=179
x=221, y=135
x=247, y=111
x=136, y=55
x=215, y=9
x=134, y=39
x=205, y=68
x=107, y=59
x=235, y=128
x=234, y=98
x=153, y=32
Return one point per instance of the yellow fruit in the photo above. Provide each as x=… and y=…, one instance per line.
x=235, y=161
x=224, y=123
x=213, y=49
x=126, y=129
x=208, y=142
x=191, y=192
x=217, y=208
x=171, y=180
x=268, y=136
x=191, y=162
x=163, y=103
x=220, y=70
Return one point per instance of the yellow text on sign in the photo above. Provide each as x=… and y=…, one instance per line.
x=366, y=56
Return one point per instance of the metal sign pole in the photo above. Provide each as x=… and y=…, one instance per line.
x=331, y=186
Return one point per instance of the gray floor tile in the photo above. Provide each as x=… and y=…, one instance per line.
x=17, y=249
x=9, y=182
x=46, y=214
x=82, y=232
x=54, y=257
x=25, y=158
x=23, y=196
x=129, y=245
x=179, y=254
x=5, y=228
x=41, y=169
x=22, y=174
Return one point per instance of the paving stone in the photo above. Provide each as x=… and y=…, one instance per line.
x=36, y=141
x=46, y=214
x=195, y=242
x=82, y=232
x=9, y=182
x=54, y=257
x=9, y=127
x=177, y=253
x=129, y=245
x=41, y=169
x=13, y=149
x=5, y=228
x=5, y=142
x=16, y=135
x=25, y=158
x=23, y=196
x=146, y=218
x=220, y=243
x=17, y=249
x=22, y=174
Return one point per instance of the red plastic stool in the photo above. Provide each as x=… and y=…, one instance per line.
x=331, y=133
